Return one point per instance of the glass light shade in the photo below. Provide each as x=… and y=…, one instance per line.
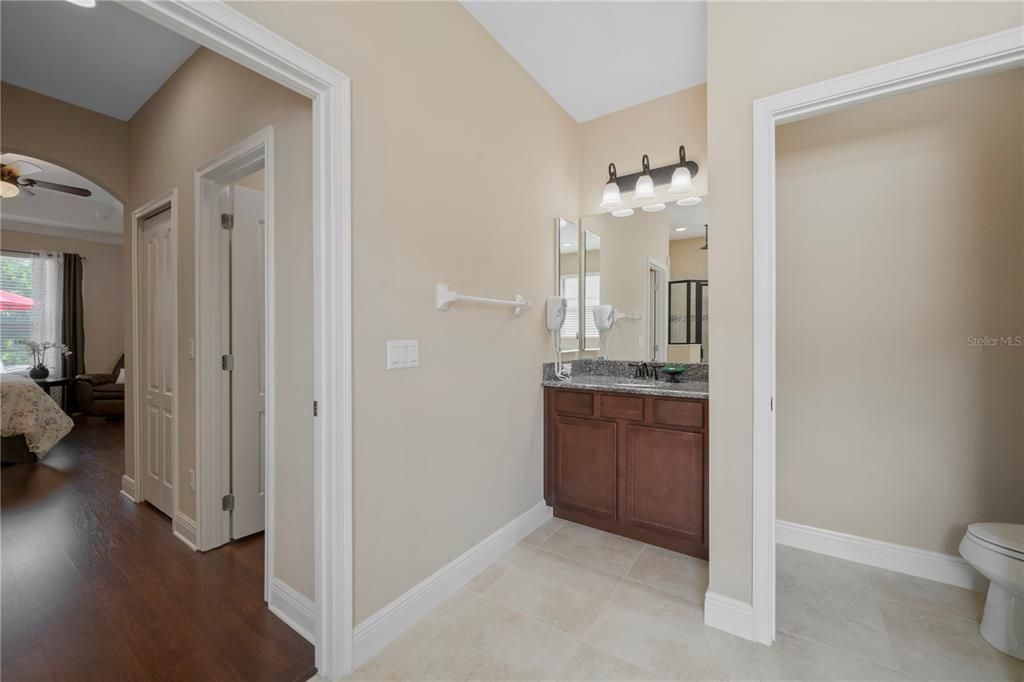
x=610, y=197
x=623, y=213
x=688, y=201
x=654, y=208
x=644, y=187
x=8, y=190
x=681, y=181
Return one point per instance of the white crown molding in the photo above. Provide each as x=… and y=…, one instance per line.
x=50, y=229
x=296, y=609
x=385, y=626
x=943, y=568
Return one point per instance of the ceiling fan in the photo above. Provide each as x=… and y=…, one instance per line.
x=13, y=181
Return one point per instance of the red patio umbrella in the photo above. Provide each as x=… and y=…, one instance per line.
x=12, y=301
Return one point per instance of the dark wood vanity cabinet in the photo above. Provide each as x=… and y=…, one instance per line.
x=629, y=464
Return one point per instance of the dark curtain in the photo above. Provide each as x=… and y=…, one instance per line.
x=72, y=320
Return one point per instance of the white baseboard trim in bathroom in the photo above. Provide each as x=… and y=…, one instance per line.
x=385, y=626
x=943, y=568
x=185, y=530
x=730, y=615
x=296, y=609
x=128, y=488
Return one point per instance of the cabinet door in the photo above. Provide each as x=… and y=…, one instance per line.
x=665, y=481
x=585, y=468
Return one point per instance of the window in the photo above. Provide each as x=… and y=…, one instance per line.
x=570, y=330
x=30, y=307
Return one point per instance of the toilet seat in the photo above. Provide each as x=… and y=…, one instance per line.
x=1003, y=538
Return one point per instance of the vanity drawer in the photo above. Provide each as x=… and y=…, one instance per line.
x=574, y=402
x=688, y=413
x=622, y=407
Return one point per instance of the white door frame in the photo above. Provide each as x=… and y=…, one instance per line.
x=164, y=202
x=990, y=53
x=228, y=32
x=213, y=337
x=661, y=323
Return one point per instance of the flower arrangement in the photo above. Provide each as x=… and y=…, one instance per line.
x=39, y=349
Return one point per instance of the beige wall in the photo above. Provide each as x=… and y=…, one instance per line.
x=93, y=145
x=688, y=259
x=890, y=426
x=460, y=163
x=795, y=44
x=655, y=128
x=102, y=290
x=207, y=106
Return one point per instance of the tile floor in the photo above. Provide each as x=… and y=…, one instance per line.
x=574, y=603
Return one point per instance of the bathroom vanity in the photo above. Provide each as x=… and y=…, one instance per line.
x=629, y=457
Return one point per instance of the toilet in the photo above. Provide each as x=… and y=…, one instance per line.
x=996, y=550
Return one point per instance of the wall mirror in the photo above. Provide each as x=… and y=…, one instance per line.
x=652, y=269
x=567, y=268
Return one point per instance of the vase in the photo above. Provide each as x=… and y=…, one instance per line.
x=40, y=371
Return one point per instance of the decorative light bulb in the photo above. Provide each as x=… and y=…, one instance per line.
x=654, y=208
x=681, y=181
x=688, y=201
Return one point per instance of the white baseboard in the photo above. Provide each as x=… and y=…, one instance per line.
x=296, y=609
x=943, y=568
x=730, y=615
x=383, y=627
x=128, y=488
x=184, y=529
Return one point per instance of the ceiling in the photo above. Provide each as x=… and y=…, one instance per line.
x=97, y=217
x=594, y=58
x=107, y=58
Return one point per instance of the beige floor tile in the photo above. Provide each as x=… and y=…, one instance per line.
x=381, y=665
x=925, y=594
x=543, y=532
x=604, y=551
x=591, y=664
x=828, y=601
x=792, y=658
x=662, y=633
x=556, y=591
x=944, y=646
x=488, y=641
x=678, y=574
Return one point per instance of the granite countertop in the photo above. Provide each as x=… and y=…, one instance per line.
x=619, y=384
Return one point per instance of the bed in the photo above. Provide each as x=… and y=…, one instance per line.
x=31, y=422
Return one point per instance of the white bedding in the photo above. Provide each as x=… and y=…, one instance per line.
x=26, y=409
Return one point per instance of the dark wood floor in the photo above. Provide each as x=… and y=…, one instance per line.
x=95, y=587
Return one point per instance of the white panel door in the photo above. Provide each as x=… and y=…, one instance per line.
x=156, y=362
x=248, y=383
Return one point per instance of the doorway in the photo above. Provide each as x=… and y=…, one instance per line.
x=657, y=311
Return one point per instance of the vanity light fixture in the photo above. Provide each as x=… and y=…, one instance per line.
x=611, y=197
x=677, y=176
x=645, y=183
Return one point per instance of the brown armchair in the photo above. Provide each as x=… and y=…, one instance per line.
x=99, y=395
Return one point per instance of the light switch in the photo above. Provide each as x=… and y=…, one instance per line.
x=403, y=354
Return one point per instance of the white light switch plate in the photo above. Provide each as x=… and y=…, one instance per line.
x=403, y=354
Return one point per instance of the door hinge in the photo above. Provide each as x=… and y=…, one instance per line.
x=227, y=503
x=227, y=362
x=316, y=409
x=227, y=221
